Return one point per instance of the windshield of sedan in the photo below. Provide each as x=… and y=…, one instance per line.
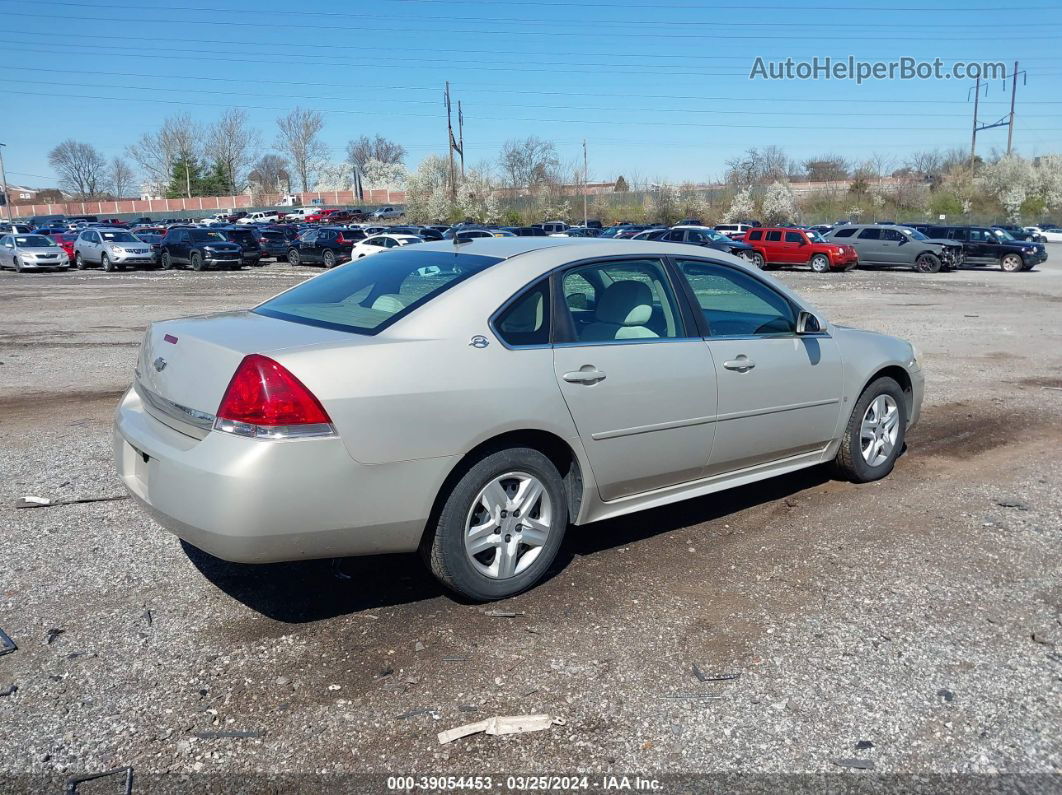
x=117, y=237
x=34, y=241
x=369, y=295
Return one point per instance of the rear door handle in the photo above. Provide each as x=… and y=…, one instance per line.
x=741, y=364
x=589, y=375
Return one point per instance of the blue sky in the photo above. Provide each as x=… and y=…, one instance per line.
x=659, y=90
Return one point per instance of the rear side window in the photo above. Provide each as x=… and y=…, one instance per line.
x=368, y=296
x=871, y=233
x=774, y=236
x=525, y=321
x=844, y=233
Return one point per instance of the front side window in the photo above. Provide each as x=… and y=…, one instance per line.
x=376, y=292
x=625, y=300
x=526, y=320
x=794, y=237
x=736, y=304
x=892, y=234
x=756, y=234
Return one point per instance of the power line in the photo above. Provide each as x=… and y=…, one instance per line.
x=551, y=33
x=740, y=7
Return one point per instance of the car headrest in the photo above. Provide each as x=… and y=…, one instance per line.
x=626, y=303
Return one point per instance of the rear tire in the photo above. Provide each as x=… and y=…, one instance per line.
x=1011, y=263
x=759, y=261
x=329, y=259
x=872, y=441
x=820, y=263
x=516, y=565
x=927, y=263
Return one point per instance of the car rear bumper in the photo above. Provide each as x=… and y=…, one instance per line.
x=261, y=501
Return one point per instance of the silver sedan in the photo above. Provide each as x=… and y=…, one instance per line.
x=470, y=401
x=31, y=252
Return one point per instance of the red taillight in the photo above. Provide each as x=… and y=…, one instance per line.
x=262, y=393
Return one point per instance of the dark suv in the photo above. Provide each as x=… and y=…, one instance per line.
x=199, y=249
x=1019, y=233
x=983, y=245
x=324, y=246
x=247, y=240
x=708, y=238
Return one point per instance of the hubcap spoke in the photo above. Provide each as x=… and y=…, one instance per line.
x=879, y=430
x=508, y=525
x=534, y=532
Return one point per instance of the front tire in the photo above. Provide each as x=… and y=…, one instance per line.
x=1011, y=263
x=293, y=257
x=18, y=265
x=820, y=263
x=927, y=263
x=106, y=264
x=196, y=260
x=874, y=436
x=167, y=263
x=79, y=263
x=500, y=526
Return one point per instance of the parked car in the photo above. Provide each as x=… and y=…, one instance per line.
x=629, y=230
x=378, y=243
x=985, y=246
x=438, y=400
x=37, y=221
x=822, y=229
x=651, y=234
x=247, y=240
x=736, y=231
x=15, y=229
x=25, y=252
x=110, y=249
x=1052, y=235
x=582, y=231
x=199, y=249
x=388, y=212
x=328, y=246
x=66, y=242
x=778, y=246
x=423, y=232
x=154, y=240
x=898, y=246
x=261, y=217
x=554, y=227
x=708, y=238
x=300, y=213
x=1021, y=233
x=525, y=231
x=274, y=243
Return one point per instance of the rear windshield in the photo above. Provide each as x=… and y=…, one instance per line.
x=368, y=295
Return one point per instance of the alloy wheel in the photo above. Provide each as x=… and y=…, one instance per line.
x=1011, y=263
x=879, y=430
x=508, y=525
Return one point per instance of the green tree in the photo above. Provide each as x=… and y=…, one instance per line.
x=621, y=185
x=184, y=178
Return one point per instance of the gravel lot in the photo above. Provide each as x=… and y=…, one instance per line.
x=921, y=614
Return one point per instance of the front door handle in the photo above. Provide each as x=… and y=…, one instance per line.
x=741, y=364
x=587, y=375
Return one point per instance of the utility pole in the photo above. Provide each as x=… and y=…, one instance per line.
x=973, y=139
x=585, y=181
x=451, y=145
x=1013, y=97
x=6, y=192
x=461, y=136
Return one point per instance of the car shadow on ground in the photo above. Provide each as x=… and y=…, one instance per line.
x=320, y=589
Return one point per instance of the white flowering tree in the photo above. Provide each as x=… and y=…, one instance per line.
x=1010, y=181
x=779, y=204
x=377, y=175
x=741, y=206
x=1049, y=179
x=476, y=199
x=427, y=191
x=333, y=177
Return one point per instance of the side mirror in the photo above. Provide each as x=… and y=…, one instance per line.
x=808, y=323
x=577, y=301
x=803, y=241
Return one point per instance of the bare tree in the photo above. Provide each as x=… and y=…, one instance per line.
x=80, y=166
x=528, y=163
x=759, y=166
x=178, y=139
x=231, y=143
x=270, y=174
x=364, y=149
x=826, y=168
x=299, y=139
x=121, y=178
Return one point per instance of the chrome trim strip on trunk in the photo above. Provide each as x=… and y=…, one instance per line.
x=175, y=411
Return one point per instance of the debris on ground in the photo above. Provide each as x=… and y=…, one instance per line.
x=29, y=501
x=502, y=724
x=73, y=782
x=221, y=735
x=864, y=745
x=946, y=694
x=701, y=675
x=150, y=619
x=10, y=690
x=1018, y=504
x=857, y=764
x=52, y=634
x=6, y=644
x=501, y=613
x=457, y=658
x=704, y=696
x=412, y=713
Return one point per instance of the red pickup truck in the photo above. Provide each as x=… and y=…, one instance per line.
x=785, y=246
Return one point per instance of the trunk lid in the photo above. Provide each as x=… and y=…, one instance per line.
x=185, y=365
